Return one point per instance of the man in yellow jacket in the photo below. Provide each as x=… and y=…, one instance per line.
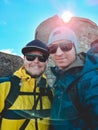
x=25, y=97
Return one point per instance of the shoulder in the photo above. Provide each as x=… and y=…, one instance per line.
x=88, y=82
x=4, y=79
x=9, y=80
x=89, y=76
x=91, y=73
x=4, y=86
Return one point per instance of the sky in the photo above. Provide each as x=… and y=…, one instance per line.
x=20, y=18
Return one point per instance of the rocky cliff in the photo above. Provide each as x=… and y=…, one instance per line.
x=85, y=29
x=9, y=63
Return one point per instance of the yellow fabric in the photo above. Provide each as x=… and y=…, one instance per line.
x=16, y=124
x=23, y=102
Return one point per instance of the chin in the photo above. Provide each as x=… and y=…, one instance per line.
x=36, y=75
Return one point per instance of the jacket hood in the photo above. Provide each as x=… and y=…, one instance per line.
x=21, y=73
x=91, y=61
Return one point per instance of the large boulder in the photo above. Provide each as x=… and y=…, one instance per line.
x=85, y=29
x=9, y=64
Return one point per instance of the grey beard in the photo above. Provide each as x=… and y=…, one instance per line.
x=34, y=76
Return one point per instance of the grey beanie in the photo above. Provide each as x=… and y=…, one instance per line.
x=63, y=33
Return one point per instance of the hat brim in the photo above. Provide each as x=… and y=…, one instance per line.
x=29, y=49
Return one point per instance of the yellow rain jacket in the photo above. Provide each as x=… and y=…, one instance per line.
x=30, y=110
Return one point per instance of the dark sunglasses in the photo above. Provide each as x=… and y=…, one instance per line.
x=32, y=57
x=63, y=46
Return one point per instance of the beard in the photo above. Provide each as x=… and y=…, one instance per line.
x=34, y=75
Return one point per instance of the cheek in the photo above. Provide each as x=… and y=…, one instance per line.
x=26, y=63
x=72, y=55
x=42, y=64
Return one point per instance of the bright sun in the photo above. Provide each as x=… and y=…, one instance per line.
x=66, y=16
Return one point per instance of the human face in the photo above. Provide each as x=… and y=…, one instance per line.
x=34, y=67
x=63, y=57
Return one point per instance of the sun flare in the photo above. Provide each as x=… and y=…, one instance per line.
x=66, y=16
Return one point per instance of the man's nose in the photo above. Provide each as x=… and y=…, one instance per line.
x=59, y=51
x=36, y=59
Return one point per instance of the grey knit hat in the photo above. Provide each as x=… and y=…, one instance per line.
x=63, y=33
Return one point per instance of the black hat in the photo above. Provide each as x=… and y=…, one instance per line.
x=36, y=45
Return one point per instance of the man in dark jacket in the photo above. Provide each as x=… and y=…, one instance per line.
x=75, y=105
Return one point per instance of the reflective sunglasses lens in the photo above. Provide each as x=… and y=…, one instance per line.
x=42, y=58
x=31, y=57
x=66, y=47
x=63, y=46
x=53, y=49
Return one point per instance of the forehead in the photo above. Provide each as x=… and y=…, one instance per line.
x=61, y=41
x=34, y=52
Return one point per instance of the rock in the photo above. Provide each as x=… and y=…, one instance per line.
x=85, y=29
x=9, y=64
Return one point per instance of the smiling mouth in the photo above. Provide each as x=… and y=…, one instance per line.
x=61, y=59
x=35, y=67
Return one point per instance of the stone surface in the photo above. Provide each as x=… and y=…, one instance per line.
x=9, y=64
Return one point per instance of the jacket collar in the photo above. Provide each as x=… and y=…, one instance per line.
x=21, y=73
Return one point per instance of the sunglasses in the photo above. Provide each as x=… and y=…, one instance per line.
x=63, y=47
x=32, y=57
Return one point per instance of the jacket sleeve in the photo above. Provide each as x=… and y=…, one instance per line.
x=89, y=99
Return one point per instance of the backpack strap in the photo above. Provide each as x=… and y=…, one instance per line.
x=44, y=91
x=13, y=93
x=73, y=92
